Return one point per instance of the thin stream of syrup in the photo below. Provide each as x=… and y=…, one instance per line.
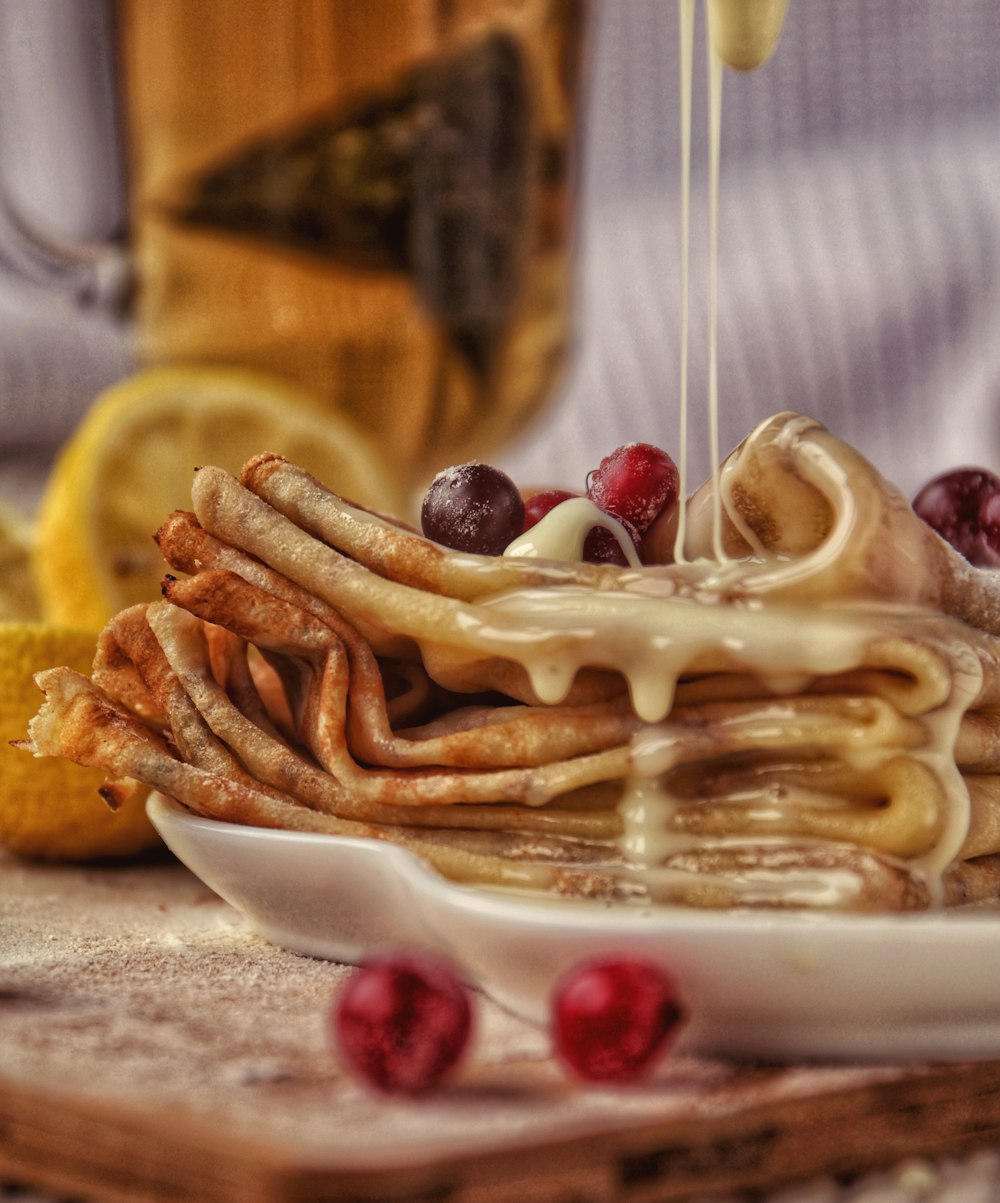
x=715, y=76
x=687, y=9
x=715, y=80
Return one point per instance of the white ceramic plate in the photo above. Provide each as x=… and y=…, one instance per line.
x=772, y=985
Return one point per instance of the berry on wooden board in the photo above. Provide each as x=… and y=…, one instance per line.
x=614, y=1018
x=402, y=1023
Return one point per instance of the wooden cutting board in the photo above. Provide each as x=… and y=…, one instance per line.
x=152, y=1048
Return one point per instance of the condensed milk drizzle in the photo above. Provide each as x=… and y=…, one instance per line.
x=781, y=771
x=687, y=11
x=561, y=533
x=714, y=153
x=803, y=697
x=741, y=34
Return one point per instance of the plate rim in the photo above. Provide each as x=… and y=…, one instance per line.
x=779, y=984
x=582, y=912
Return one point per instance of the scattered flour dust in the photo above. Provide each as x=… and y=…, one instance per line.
x=138, y=987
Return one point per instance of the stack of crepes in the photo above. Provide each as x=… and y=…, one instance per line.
x=810, y=720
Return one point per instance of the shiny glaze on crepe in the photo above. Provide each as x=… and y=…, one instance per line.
x=824, y=565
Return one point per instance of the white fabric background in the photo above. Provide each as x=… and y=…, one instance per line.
x=860, y=236
x=859, y=240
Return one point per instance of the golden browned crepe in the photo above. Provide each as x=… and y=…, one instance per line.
x=812, y=720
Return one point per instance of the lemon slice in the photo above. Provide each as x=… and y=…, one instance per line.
x=50, y=809
x=18, y=597
x=130, y=462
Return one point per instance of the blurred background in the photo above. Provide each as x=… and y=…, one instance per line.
x=859, y=236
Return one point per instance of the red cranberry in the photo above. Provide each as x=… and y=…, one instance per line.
x=473, y=507
x=537, y=506
x=402, y=1023
x=613, y=1018
x=601, y=546
x=963, y=506
x=635, y=483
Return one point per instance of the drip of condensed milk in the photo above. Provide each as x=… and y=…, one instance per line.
x=561, y=533
x=745, y=32
x=741, y=34
x=687, y=9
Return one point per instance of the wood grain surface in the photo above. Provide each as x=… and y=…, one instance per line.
x=152, y=1048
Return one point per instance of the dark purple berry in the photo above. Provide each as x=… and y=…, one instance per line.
x=473, y=507
x=601, y=546
x=963, y=506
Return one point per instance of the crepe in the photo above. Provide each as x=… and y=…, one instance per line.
x=812, y=720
